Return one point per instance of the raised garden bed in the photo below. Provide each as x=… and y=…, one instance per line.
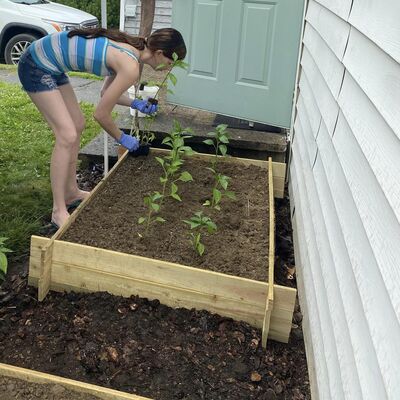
x=61, y=265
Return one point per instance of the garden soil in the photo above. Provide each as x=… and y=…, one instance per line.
x=239, y=247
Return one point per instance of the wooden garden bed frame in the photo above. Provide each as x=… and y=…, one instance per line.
x=40, y=378
x=63, y=266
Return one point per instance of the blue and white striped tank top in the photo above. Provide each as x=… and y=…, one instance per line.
x=57, y=53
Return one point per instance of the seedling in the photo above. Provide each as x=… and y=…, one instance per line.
x=147, y=136
x=219, y=141
x=201, y=224
x=172, y=163
x=153, y=207
x=3, y=258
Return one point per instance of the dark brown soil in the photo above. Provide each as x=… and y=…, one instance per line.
x=17, y=389
x=240, y=246
x=143, y=347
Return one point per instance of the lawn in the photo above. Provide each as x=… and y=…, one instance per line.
x=25, y=147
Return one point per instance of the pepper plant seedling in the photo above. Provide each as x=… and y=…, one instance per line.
x=3, y=258
x=147, y=136
x=172, y=162
x=201, y=224
x=219, y=140
x=153, y=207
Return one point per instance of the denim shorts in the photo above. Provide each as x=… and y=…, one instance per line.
x=35, y=79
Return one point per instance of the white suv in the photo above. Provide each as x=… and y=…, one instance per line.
x=23, y=21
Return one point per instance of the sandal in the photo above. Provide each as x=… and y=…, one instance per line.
x=74, y=204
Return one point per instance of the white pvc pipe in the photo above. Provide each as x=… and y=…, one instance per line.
x=122, y=15
x=105, y=134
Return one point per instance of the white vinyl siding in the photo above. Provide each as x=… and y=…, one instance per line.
x=345, y=194
x=162, y=17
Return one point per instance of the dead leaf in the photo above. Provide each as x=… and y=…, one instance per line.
x=255, y=376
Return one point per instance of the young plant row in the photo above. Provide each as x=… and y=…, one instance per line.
x=173, y=174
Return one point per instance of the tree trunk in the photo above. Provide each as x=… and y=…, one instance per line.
x=147, y=17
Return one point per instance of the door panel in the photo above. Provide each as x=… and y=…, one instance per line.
x=242, y=55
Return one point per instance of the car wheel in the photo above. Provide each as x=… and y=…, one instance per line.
x=16, y=47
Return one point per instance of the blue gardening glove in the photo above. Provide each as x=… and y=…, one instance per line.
x=128, y=141
x=144, y=106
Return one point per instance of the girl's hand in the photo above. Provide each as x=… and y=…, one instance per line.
x=144, y=106
x=129, y=142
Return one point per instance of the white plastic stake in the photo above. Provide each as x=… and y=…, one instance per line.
x=105, y=134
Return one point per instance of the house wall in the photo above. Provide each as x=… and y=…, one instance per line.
x=345, y=193
x=162, y=17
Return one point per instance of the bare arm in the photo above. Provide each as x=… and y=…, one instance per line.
x=123, y=100
x=118, y=85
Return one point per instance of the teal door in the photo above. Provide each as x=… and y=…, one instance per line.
x=242, y=57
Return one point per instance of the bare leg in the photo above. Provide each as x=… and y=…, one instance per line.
x=53, y=108
x=72, y=192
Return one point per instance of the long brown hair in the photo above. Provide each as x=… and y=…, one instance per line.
x=168, y=40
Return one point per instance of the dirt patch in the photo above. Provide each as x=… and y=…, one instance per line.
x=11, y=388
x=143, y=347
x=240, y=246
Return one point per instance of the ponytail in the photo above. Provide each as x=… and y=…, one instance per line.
x=138, y=42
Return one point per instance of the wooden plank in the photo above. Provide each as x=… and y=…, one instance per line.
x=378, y=142
x=76, y=386
x=271, y=258
x=377, y=74
x=47, y=249
x=327, y=104
x=333, y=30
x=380, y=23
x=172, y=284
x=339, y=7
x=327, y=62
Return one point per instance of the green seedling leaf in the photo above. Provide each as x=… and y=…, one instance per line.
x=222, y=148
x=230, y=195
x=160, y=160
x=185, y=177
x=175, y=57
x=176, y=196
x=160, y=219
x=223, y=181
x=207, y=203
x=210, y=142
x=160, y=66
x=155, y=207
x=172, y=78
x=217, y=196
x=141, y=220
x=200, y=248
x=212, y=134
x=224, y=139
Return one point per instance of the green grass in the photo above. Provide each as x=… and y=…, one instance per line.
x=83, y=75
x=8, y=67
x=86, y=75
x=26, y=144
